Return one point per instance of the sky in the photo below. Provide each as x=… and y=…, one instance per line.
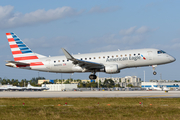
x=91, y=26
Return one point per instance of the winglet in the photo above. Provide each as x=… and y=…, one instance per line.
x=68, y=56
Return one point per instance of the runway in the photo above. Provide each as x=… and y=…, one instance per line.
x=79, y=94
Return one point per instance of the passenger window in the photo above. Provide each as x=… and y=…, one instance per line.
x=54, y=61
x=103, y=56
x=67, y=60
x=116, y=55
x=81, y=59
x=129, y=54
x=90, y=58
x=94, y=57
x=63, y=60
x=134, y=54
x=125, y=55
x=99, y=57
x=138, y=53
x=112, y=56
x=58, y=60
x=107, y=56
x=121, y=55
x=85, y=58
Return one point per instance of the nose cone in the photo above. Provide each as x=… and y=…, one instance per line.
x=172, y=59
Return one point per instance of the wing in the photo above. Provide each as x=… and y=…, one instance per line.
x=82, y=63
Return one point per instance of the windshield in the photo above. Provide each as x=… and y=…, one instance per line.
x=160, y=52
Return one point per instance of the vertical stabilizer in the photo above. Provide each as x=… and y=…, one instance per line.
x=21, y=52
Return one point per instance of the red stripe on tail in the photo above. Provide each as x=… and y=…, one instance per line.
x=32, y=64
x=8, y=33
x=16, y=52
x=14, y=46
x=11, y=40
x=25, y=58
x=36, y=64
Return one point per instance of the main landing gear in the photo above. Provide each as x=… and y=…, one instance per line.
x=92, y=76
x=154, y=72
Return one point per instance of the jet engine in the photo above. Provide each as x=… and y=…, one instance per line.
x=110, y=69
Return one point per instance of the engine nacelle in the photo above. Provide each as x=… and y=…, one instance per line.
x=110, y=69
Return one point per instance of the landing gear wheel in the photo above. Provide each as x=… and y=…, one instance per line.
x=154, y=73
x=92, y=77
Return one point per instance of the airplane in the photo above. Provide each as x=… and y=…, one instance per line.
x=10, y=87
x=3, y=88
x=29, y=87
x=165, y=88
x=108, y=62
x=155, y=88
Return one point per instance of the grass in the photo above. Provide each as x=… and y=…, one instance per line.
x=88, y=108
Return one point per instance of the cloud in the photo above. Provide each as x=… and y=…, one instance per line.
x=175, y=40
x=128, y=38
x=131, y=40
x=10, y=19
x=98, y=9
x=134, y=30
x=129, y=31
x=44, y=42
x=173, y=44
x=105, y=48
x=143, y=29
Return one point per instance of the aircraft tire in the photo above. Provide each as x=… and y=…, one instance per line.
x=92, y=77
x=154, y=73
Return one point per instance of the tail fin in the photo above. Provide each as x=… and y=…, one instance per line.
x=21, y=52
x=29, y=85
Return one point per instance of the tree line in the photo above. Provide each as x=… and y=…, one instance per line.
x=22, y=83
x=108, y=83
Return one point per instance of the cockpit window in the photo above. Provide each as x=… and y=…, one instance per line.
x=160, y=52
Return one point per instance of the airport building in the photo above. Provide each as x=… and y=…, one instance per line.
x=124, y=81
x=161, y=83
x=61, y=87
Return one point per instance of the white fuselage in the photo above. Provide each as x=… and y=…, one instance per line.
x=123, y=59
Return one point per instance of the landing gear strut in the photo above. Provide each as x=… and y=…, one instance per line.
x=92, y=76
x=154, y=72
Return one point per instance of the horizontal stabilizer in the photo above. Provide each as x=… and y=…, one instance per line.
x=19, y=63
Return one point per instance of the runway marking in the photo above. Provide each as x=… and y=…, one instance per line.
x=156, y=96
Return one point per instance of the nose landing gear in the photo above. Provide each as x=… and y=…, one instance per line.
x=154, y=66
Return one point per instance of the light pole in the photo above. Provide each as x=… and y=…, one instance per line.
x=61, y=81
x=98, y=80
x=144, y=75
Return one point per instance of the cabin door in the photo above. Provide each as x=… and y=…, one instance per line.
x=150, y=55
